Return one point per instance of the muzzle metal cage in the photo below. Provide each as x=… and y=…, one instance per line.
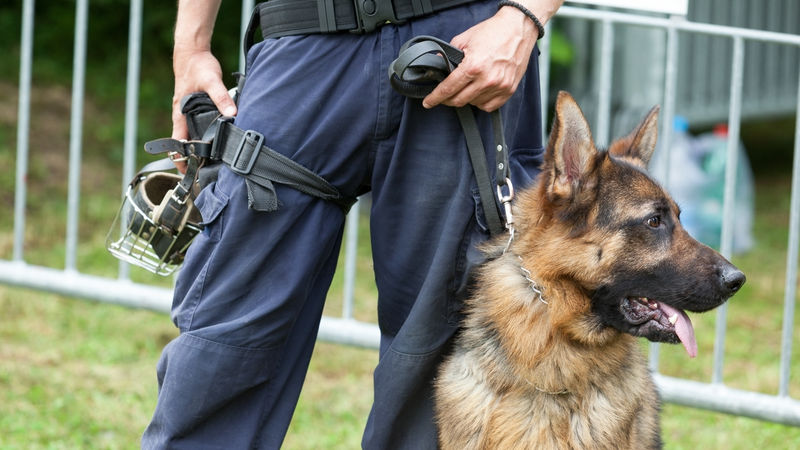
x=137, y=234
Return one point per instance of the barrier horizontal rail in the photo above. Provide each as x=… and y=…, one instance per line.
x=159, y=299
x=679, y=23
x=721, y=398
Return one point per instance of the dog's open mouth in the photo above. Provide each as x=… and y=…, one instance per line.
x=660, y=322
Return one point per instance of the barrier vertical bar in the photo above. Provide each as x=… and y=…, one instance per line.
x=771, y=53
x=670, y=89
x=350, y=258
x=131, y=106
x=544, y=76
x=699, y=90
x=247, y=9
x=76, y=132
x=23, y=128
x=604, y=96
x=670, y=94
x=728, y=204
x=790, y=56
x=790, y=291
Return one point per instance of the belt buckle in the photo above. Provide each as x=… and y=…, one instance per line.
x=237, y=156
x=371, y=14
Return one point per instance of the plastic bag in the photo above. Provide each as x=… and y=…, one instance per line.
x=693, y=171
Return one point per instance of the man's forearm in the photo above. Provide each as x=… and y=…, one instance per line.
x=195, y=24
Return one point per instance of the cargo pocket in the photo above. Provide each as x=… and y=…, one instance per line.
x=201, y=381
x=467, y=258
x=211, y=202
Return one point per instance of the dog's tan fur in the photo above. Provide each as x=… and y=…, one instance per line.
x=543, y=372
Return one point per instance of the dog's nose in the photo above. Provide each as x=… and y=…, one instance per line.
x=732, y=279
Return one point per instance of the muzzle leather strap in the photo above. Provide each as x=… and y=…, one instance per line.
x=422, y=63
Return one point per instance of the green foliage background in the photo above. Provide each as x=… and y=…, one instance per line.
x=107, y=54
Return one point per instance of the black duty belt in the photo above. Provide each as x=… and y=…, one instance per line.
x=278, y=18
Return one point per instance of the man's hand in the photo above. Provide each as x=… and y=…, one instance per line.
x=195, y=68
x=496, y=55
x=197, y=71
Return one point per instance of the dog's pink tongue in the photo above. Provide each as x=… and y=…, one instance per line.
x=683, y=328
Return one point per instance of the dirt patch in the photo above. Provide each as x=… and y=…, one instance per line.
x=49, y=127
x=49, y=135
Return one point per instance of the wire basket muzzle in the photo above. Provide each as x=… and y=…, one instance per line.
x=138, y=237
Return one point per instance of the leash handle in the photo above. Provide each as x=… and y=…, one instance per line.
x=422, y=63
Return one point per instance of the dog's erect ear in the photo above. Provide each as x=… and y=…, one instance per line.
x=641, y=143
x=571, y=150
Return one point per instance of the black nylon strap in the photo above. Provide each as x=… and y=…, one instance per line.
x=261, y=165
x=419, y=67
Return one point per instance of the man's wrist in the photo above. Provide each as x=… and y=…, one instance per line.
x=525, y=11
x=182, y=55
x=192, y=40
x=515, y=19
x=544, y=10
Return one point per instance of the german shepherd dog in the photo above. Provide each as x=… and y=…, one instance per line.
x=548, y=356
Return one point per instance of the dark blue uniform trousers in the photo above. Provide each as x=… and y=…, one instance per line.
x=249, y=298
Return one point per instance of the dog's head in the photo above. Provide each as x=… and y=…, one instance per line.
x=614, y=232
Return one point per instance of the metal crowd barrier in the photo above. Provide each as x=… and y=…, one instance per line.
x=714, y=395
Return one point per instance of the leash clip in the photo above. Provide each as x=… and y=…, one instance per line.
x=506, y=201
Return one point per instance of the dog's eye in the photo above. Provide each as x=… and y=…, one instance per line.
x=654, y=222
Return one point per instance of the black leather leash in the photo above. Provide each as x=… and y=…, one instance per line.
x=422, y=63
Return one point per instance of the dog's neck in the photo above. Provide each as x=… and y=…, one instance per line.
x=534, y=286
x=549, y=309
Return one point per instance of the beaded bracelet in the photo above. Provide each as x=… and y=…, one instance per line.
x=527, y=12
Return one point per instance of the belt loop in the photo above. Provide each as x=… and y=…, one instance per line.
x=327, y=16
x=421, y=7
